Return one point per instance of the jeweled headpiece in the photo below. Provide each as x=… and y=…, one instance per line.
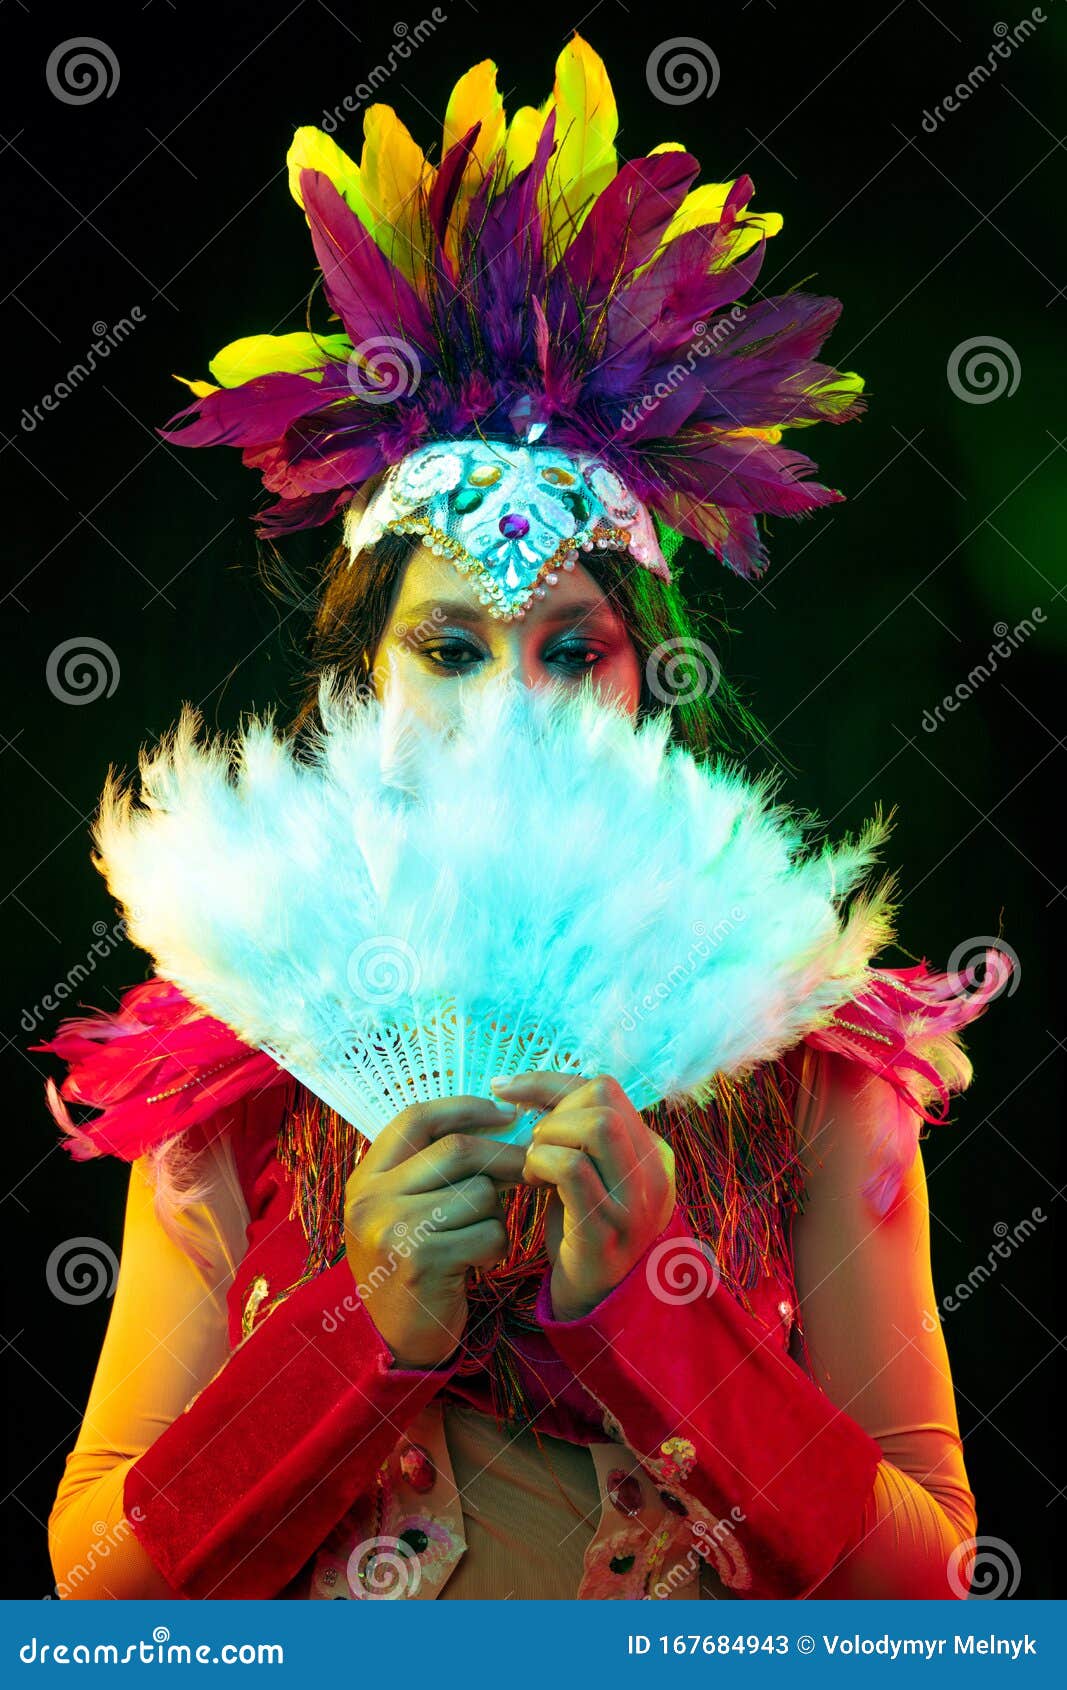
x=540, y=347
x=511, y=516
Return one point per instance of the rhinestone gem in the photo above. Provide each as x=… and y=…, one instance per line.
x=417, y=1469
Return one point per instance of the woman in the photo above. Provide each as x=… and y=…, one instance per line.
x=656, y=1355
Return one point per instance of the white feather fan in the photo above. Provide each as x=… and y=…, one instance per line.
x=398, y=914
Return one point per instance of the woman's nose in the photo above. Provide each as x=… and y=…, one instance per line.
x=512, y=669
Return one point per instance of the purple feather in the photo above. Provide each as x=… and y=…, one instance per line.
x=663, y=308
x=740, y=374
x=508, y=260
x=751, y=475
x=288, y=516
x=734, y=536
x=447, y=182
x=254, y=414
x=623, y=228
x=370, y=295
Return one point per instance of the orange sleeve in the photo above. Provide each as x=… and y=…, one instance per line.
x=875, y=1342
x=166, y=1338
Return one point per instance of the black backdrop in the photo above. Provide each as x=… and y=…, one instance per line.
x=164, y=202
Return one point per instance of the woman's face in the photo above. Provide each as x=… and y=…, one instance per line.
x=439, y=633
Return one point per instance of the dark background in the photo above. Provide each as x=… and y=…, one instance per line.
x=170, y=195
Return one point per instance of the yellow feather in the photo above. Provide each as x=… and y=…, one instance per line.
x=702, y=208
x=200, y=388
x=264, y=354
x=475, y=99
x=585, y=160
x=313, y=149
x=705, y=205
x=394, y=175
x=524, y=132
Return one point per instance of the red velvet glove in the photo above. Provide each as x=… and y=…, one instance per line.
x=246, y=1484
x=725, y=1422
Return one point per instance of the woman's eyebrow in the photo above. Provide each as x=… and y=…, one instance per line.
x=575, y=610
x=439, y=610
x=442, y=610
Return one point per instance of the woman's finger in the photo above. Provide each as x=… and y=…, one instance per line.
x=479, y=1245
x=447, y=1161
x=539, y=1087
x=604, y=1138
x=475, y=1199
x=569, y=1091
x=421, y=1123
x=577, y=1181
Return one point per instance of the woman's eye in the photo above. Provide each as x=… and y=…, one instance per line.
x=451, y=654
x=576, y=655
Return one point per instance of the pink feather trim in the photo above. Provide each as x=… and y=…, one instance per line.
x=153, y=1068
x=905, y=1029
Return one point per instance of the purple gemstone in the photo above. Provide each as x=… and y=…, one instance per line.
x=513, y=526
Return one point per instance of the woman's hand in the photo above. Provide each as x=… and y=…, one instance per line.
x=422, y=1207
x=613, y=1178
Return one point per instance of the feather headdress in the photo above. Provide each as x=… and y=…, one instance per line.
x=406, y=915
x=532, y=286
